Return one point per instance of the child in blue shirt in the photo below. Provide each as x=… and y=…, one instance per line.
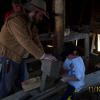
x=75, y=72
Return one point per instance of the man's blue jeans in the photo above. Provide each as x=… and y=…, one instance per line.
x=11, y=75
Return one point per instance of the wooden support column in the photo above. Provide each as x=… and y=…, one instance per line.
x=86, y=42
x=59, y=26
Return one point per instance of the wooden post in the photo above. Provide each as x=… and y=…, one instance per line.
x=86, y=42
x=59, y=26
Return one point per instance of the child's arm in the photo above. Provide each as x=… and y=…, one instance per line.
x=69, y=78
x=63, y=71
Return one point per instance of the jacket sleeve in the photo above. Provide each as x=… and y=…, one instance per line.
x=20, y=31
x=35, y=37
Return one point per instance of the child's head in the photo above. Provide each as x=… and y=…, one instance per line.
x=70, y=50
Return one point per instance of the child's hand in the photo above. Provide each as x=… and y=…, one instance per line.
x=64, y=79
x=63, y=71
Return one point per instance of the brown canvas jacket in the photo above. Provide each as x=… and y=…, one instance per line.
x=16, y=39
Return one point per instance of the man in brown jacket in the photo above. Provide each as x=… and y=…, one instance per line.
x=16, y=41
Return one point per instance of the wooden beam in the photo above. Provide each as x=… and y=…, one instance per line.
x=72, y=37
x=91, y=79
x=59, y=25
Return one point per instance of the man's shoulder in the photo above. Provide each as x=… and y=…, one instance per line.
x=15, y=16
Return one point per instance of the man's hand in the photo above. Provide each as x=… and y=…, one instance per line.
x=48, y=57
